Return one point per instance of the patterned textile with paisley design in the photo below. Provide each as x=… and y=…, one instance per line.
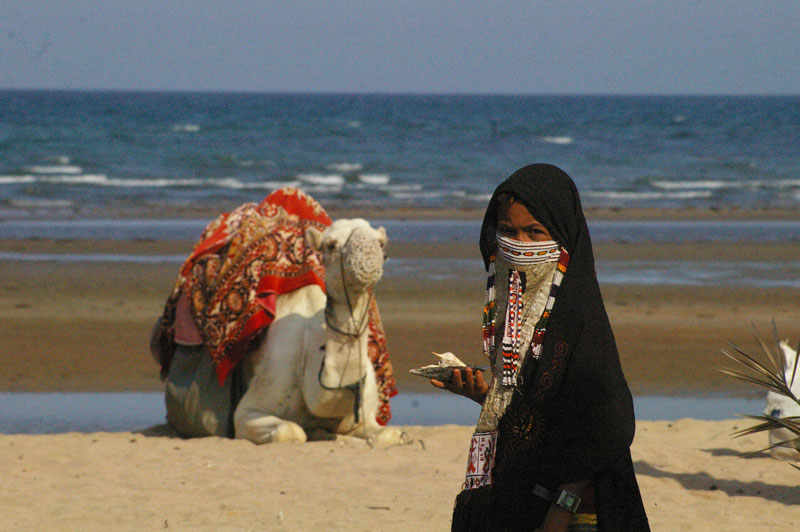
x=229, y=284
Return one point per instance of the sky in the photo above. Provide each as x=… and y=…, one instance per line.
x=429, y=46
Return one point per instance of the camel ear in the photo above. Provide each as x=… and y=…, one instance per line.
x=314, y=238
x=382, y=236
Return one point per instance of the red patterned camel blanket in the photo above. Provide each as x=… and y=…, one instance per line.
x=225, y=294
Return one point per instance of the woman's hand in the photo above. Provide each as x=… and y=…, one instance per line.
x=466, y=384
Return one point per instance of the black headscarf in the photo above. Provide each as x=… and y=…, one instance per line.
x=571, y=416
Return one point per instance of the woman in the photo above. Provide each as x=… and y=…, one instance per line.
x=551, y=450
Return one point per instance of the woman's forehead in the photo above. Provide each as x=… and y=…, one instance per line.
x=515, y=212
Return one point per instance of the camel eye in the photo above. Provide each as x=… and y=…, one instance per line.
x=331, y=246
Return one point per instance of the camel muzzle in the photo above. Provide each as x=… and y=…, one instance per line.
x=363, y=259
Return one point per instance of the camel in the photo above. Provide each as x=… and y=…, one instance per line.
x=311, y=373
x=272, y=333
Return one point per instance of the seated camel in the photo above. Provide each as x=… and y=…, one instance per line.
x=272, y=332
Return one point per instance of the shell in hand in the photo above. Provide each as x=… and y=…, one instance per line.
x=443, y=371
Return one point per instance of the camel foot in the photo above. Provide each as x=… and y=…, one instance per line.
x=289, y=432
x=389, y=436
x=270, y=429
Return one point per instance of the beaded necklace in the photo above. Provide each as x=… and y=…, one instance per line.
x=513, y=322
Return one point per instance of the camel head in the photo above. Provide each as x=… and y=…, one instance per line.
x=353, y=254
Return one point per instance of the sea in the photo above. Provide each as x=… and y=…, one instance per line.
x=63, y=152
x=67, y=155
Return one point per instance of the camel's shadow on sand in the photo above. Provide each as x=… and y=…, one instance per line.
x=702, y=481
x=165, y=431
x=160, y=431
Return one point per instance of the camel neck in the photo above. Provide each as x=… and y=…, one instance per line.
x=349, y=318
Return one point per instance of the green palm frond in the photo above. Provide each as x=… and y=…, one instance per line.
x=769, y=422
x=769, y=376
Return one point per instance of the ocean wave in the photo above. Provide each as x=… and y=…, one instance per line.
x=629, y=195
x=707, y=184
x=412, y=187
x=345, y=168
x=556, y=140
x=417, y=192
x=54, y=169
x=416, y=195
x=712, y=184
x=480, y=198
x=16, y=179
x=374, y=179
x=102, y=180
x=186, y=128
x=321, y=179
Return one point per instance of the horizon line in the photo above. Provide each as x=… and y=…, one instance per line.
x=401, y=93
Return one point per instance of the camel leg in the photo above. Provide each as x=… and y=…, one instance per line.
x=259, y=428
x=371, y=430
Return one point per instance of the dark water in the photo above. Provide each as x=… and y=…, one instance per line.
x=692, y=273
x=420, y=230
x=63, y=151
x=48, y=413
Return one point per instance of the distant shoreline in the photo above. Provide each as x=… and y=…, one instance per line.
x=210, y=212
x=413, y=94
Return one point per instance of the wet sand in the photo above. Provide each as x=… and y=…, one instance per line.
x=78, y=326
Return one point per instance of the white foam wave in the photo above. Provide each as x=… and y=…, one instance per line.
x=482, y=198
x=374, y=179
x=55, y=169
x=320, y=189
x=354, y=123
x=320, y=179
x=84, y=179
x=345, y=168
x=414, y=187
x=627, y=195
x=788, y=183
x=556, y=140
x=104, y=181
x=679, y=119
x=416, y=195
x=16, y=179
x=186, y=128
x=796, y=195
x=693, y=185
x=233, y=183
x=59, y=159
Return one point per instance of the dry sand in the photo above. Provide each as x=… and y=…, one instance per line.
x=84, y=327
x=690, y=473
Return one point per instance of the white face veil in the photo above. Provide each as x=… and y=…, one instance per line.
x=520, y=281
x=523, y=275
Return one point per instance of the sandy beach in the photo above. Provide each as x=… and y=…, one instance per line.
x=76, y=326
x=690, y=473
